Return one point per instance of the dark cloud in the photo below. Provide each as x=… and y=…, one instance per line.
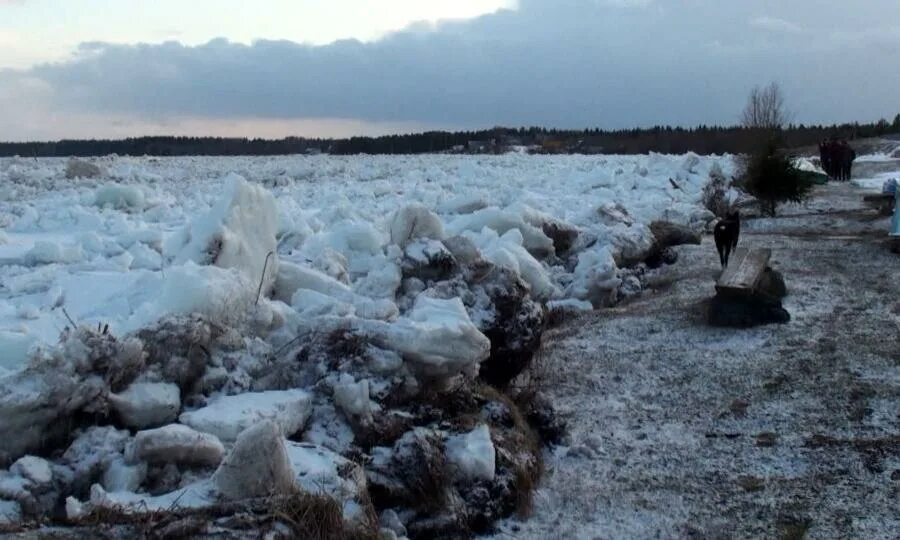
x=567, y=63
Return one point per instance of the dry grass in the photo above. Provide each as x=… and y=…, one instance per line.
x=427, y=479
x=343, y=345
x=522, y=439
x=316, y=517
x=384, y=430
x=558, y=316
x=794, y=529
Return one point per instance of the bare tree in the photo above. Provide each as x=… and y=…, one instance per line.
x=768, y=172
x=765, y=109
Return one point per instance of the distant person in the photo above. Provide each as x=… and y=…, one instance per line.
x=825, y=156
x=832, y=149
x=840, y=159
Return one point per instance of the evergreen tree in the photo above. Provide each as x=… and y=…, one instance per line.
x=771, y=176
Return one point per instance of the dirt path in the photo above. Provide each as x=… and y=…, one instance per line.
x=679, y=430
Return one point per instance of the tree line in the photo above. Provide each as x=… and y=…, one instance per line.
x=663, y=139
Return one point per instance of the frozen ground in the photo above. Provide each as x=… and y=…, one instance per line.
x=870, y=172
x=391, y=280
x=162, y=319
x=680, y=430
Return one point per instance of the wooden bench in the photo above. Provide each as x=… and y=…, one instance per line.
x=744, y=271
x=884, y=202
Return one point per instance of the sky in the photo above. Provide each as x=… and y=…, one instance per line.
x=334, y=68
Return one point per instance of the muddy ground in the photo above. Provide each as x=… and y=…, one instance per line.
x=680, y=430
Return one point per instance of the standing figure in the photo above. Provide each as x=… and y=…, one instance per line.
x=727, y=233
x=825, y=156
x=849, y=158
x=840, y=158
x=833, y=151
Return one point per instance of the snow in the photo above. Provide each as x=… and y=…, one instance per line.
x=120, y=197
x=94, y=448
x=238, y=232
x=226, y=417
x=133, y=246
x=499, y=221
x=359, y=244
x=570, y=304
x=35, y=469
x=13, y=486
x=144, y=405
x=257, y=466
x=310, y=303
x=78, y=168
x=177, y=444
x=74, y=508
x=472, y=455
x=664, y=412
x=14, y=347
x=223, y=295
x=438, y=338
x=352, y=397
x=464, y=203
x=45, y=252
x=595, y=275
x=121, y=477
x=806, y=164
x=333, y=264
x=321, y=471
x=875, y=183
x=200, y=494
x=508, y=251
x=10, y=512
x=293, y=277
x=414, y=222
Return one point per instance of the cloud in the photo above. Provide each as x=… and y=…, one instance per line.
x=565, y=63
x=774, y=24
x=28, y=117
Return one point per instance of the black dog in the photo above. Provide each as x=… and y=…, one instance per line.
x=727, y=233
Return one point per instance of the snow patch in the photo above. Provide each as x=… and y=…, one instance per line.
x=226, y=417
x=472, y=455
x=144, y=405
x=120, y=197
x=177, y=444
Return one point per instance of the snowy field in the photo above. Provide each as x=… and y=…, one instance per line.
x=163, y=319
x=681, y=430
x=107, y=249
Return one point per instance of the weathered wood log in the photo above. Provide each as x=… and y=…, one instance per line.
x=744, y=271
x=669, y=234
x=883, y=202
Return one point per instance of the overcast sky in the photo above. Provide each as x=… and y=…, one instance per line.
x=113, y=68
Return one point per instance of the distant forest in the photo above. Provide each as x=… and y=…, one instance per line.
x=670, y=140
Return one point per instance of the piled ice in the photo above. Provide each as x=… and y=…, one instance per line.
x=472, y=454
x=238, y=232
x=227, y=416
x=162, y=320
x=144, y=405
